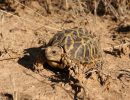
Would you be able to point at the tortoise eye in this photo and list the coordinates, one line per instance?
(54, 52)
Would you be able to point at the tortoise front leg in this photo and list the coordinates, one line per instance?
(39, 62)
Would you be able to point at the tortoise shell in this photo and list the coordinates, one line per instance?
(78, 43)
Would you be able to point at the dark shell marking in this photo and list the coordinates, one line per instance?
(78, 43)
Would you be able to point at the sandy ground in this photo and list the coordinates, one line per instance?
(23, 31)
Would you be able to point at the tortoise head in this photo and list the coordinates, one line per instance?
(53, 56)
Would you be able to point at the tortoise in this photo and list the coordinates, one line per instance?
(71, 48)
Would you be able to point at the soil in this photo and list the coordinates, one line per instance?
(27, 26)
